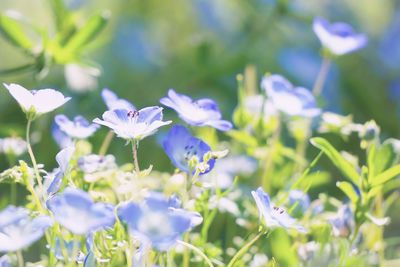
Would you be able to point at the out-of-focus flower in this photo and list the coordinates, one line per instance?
(300, 199)
(389, 49)
(96, 166)
(15, 146)
(332, 122)
(81, 78)
(258, 106)
(96, 163)
(69, 248)
(273, 216)
(308, 250)
(18, 230)
(343, 222)
(53, 180)
(259, 260)
(292, 101)
(5, 261)
(181, 147)
(114, 102)
(201, 112)
(227, 168)
(75, 210)
(339, 38)
(158, 221)
(36, 102)
(133, 124)
(61, 138)
(79, 128)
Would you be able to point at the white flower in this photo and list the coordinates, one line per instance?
(81, 78)
(36, 102)
(13, 145)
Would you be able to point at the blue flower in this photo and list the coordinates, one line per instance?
(300, 199)
(18, 230)
(157, 220)
(5, 261)
(339, 38)
(273, 216)
(343, 222)
(293, 101)
(202, 112)
(79, 128)
(53, 180)
(36, 102)
(69, 248)
(113, 102)
(61, 138)
(76, 211)
(133, 124)
(181, 146)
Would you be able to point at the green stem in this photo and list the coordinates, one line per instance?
(198, 251)
(32, 156)
(322, 74)
(186, 252)
(268, 164)
(135, 156)
(244, 249)
(106, 143)
(20, 258)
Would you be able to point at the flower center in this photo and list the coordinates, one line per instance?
(133, 113)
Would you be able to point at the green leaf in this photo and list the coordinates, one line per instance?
(86, 33)
(385, 157)
(386, 176)
(243, 138)
(349, 190)
(12, 31)
(341, 163)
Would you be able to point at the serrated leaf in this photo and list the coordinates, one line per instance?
(345, 167)
(13, 33)
(349, 190)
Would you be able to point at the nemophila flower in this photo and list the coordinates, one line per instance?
(227, 168)
(343, 222)
(133, 124)
(36, 102)
(5, 261)
(181, 147)
(114, 102)
(258, 106)
(53, 180)
(15, 146)
(300, 200)
(339, 38)
(61, 138)
(157, 220)
(292, 101)
(69, 247)
(75, 210)
(96, 167)
(273, 216)
(18, 230)
(201, 112)
(79, 128)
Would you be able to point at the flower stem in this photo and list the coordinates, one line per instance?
(135, 145)
(244, 249)
(20, 258)
(35, 167)
(322, 74)
(106, 143)
(198, 251)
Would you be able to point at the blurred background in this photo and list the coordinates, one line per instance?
(198, 47)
